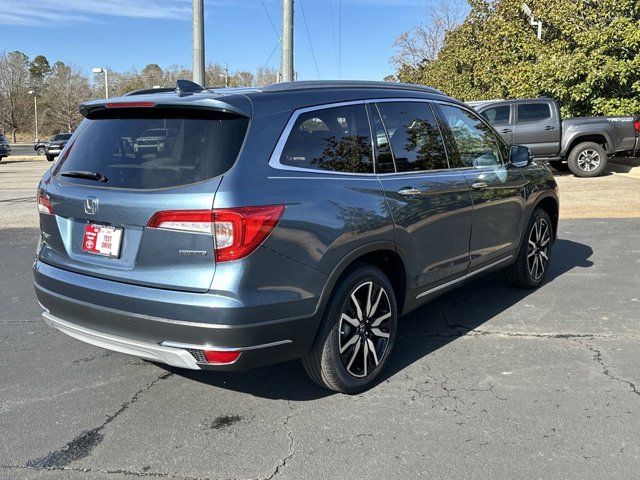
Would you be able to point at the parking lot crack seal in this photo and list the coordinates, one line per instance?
(82, 445)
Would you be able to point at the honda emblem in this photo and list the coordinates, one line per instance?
(91, 206)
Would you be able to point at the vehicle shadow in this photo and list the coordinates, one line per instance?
(420, 333)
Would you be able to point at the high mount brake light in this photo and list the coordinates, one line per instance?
(236, 231)
(44, 204)
(130, 104)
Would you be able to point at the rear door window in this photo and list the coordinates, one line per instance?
(414, 135)
(334, 139)
(497, 115)
(157, 152)
(533, 112)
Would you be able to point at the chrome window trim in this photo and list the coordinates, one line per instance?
(274, 160)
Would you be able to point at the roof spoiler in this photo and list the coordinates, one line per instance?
(151, 100)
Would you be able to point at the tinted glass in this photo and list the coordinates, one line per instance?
(533, 112)
(414, 136)
(334, 139)
(188, 150)
(384, 159)
(474, 143)
(497, 115)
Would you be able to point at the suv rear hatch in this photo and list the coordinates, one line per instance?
(110, 181)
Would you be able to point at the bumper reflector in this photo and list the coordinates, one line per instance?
(218, 357)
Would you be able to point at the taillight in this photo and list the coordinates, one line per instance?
(636, 124)
(44, 204)
(236, 231)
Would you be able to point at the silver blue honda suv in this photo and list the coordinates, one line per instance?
(294, 221)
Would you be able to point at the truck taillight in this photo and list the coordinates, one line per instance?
(236, 231)
(636, 124)
(44, 204)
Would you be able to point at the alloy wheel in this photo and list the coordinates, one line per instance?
(588, 160)
(365, 329)
(539, 248)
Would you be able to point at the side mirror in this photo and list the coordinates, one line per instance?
(520, 156)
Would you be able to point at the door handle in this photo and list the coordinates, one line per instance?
(506, 130)
(479, 185)
(549, 127)
(409, 191)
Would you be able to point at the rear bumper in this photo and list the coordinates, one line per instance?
(125, 318)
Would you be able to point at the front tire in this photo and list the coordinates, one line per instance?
(357, 333)
(532, 263)
(50, 158)
(587, 159)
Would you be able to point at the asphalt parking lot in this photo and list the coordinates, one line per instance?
(485, 382)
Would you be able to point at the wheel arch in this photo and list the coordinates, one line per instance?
(601, 138)
(550, 205)
(386, 256)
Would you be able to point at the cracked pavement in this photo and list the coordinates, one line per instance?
(485, 382)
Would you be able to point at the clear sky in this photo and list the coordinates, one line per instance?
(126, 34)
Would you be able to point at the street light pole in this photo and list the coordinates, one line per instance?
(106, 79)
(198, 42)
(35, 109)
(287, 41)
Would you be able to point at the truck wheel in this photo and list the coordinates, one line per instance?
(587, 159)
(559, 165)
(532, 263)
(41, 151)
(50, 158)
(357, 333)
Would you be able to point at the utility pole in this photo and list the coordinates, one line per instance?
(286, 66)
(35, 108)
(198, 42)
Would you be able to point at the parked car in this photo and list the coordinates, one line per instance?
(154, 141)
(581, 145)
(5, 148)
(55, 144)
(298, 220)
(39, 146)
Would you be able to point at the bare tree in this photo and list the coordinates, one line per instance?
(423, 42)
(266, 76)
(66, 89)
(15, 103)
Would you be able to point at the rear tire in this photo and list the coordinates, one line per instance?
(50, 158)
(357, 333)
(587, 160)
(559, 165)
(41, 151)
(532, 264)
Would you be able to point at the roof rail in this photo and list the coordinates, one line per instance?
(320, 84)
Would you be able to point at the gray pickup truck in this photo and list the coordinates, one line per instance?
(581, 145)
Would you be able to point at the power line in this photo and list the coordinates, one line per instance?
(273, 25)
(306, 27)
(340, 39)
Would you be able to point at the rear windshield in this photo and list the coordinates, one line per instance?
(148, 153)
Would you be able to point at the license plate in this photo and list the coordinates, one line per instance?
(102, 240)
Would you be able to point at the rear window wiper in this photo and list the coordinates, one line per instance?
(98, 177)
